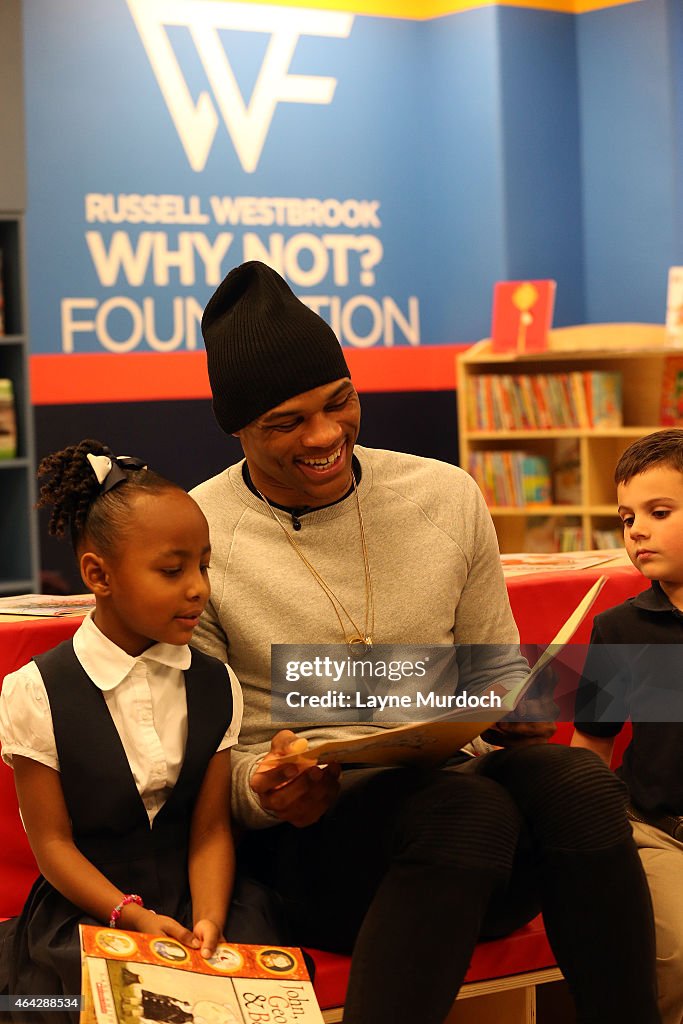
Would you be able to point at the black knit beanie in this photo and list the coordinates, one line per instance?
(264, 346)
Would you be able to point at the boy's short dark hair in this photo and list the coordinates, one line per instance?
(664, 446)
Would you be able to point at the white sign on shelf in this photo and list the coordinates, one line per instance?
(674, 306)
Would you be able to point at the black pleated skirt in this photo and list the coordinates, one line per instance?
(40, 950)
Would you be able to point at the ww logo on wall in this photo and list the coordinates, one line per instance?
(247, 123)
(156, 258)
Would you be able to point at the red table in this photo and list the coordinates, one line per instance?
(541, 602)
(20, 640)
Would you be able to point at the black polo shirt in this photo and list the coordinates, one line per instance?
(634, 671)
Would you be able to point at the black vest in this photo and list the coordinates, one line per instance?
(109, 821)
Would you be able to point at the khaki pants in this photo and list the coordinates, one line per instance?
(662, 858)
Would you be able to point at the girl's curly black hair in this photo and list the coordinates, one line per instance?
(78, 504)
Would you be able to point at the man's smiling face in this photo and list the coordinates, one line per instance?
(299, 453)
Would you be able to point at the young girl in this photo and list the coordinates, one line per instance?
(120, 739)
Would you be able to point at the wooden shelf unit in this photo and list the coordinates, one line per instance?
(18, 537)
(638, 352)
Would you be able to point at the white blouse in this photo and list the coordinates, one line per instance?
(146, 700)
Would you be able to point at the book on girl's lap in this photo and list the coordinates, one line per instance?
(435, 741)
(135, 978)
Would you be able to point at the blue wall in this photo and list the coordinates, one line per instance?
(629, 78)
(498, 143)
(462, 198)
(543, 199)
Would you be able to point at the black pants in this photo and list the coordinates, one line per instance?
(410, 869)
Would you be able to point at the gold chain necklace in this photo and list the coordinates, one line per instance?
(361, 642)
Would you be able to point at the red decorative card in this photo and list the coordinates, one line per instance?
(522, 316)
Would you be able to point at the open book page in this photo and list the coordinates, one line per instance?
(424, 743)
(433, 742)
(562, 637)
(134, 978)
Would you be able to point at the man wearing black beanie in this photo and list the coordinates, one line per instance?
(318, 540)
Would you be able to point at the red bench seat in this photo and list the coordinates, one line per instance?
(524, 951)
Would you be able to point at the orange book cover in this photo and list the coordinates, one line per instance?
(522, 316)
(540, 393)
(129, 977)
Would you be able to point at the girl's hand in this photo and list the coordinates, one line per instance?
(174, 930)
(137, 919)
(207, 935)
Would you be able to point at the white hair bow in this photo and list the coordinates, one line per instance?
(110, 472)
(101, 465)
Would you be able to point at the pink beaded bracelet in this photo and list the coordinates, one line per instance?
(116, 912)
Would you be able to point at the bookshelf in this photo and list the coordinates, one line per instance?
(18, 527)
(638, 352)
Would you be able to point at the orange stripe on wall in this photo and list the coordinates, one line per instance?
(428, 368)
(96, 378)
(106, 377)
(424, 10)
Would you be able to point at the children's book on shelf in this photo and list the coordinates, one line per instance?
(540, 534)
(522, 316)
(674, 306)
(581, 399)
(671, 411)
(572, 538)
(567, 471)
(8, 419)
(604, 396)
(133, 978)
(47, 605)
(512, 478)
(434, 741)
(535, 470)
(608, 539)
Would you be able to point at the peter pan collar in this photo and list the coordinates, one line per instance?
(107, 665)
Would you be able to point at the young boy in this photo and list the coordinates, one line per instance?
(633, 670)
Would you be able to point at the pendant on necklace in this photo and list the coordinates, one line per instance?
(360, 645)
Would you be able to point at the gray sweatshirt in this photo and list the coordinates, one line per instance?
(436, 579)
